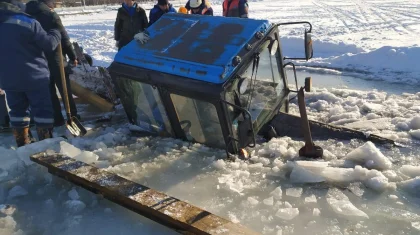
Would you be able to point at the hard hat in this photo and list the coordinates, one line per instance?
(195, 3)
(183, 10)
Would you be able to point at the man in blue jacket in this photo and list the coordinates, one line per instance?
(24, 74)
(158, 10)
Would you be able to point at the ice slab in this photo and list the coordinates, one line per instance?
(415, 123)
(415, 134)
(310, 199)
(87, 157)
(294, 192)
(316, 212)
(7, 209)
(73, 194)
(411, 186)
(277, 193)
(287, 213)
(26, 151)
(369, 156)
(75, 206)
(269, 201)
(69, 150)
(341, 205)
(17, 191)
(411, 171)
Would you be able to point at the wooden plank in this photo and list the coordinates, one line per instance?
(91, 97)
(166, 210)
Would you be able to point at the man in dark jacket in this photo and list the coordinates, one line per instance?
(24, 74)
(199, 7)
(235, 8)
(42, 11)
(158, 10)
(131, 20)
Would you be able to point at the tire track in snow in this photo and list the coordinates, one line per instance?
(396, 20)
(334, 14)
(388, 19)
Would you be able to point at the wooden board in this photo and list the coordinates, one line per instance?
(166, 210)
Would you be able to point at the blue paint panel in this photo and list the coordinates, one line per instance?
(193, 46)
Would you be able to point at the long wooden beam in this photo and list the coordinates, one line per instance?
(166, 210)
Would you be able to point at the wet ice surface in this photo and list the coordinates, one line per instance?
(359, 187)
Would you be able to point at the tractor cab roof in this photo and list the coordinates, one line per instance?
(198, 47)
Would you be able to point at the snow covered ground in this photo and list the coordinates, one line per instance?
(358, 188)
(377, 39)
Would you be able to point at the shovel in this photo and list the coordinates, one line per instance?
(72, 124)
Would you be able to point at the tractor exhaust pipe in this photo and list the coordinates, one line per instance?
(310, 150)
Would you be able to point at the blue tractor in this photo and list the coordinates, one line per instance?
(213, 80)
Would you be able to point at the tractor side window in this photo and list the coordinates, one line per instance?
(265, 85)
(199, 121)
(143, 106)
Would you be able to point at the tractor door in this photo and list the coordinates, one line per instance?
(260, 89)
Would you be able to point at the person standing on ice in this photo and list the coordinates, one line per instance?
(162, 7)
(43, 12)
(199, 7)
(235, 8)
(131, 20)
(24, 74)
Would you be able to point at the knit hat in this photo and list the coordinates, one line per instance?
(163, 2)
(195, 3)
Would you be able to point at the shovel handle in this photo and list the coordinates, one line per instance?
(63, 81)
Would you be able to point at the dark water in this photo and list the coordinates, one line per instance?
(322, 79)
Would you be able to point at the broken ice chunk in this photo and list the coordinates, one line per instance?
(302, 175)
(393, 197)
(17, 191)
(287, 213)
(252, 201)
(87, 157)
(287, 205)
(370, 156)
(411, 171)
(377, 183)
(294, 192)
(341, 205)
(316, 212)
(219, 164)
(310, 199)
(73, 194)
(411, 186)
(269, 201)
(277, 193)
(415, 134)
(7, 209)
(416, 225)
(75, 206)
(69, 150)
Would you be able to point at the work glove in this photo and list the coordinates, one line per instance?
(142, 37)
(117, 43)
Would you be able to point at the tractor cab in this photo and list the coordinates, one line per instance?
(212, 80)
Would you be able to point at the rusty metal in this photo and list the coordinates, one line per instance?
(166, 210)
(310, 149)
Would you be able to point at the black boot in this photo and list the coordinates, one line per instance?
(44, 133)
(22, 136)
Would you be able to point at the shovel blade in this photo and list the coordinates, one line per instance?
(75, 127)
